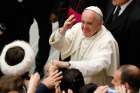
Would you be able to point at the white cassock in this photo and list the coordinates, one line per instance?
(96, 57)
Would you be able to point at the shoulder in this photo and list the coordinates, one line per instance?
(107, 35)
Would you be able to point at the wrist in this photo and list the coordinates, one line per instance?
(62, 31)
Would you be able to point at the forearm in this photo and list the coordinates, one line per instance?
(91, 67)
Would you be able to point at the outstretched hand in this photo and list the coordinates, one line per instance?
(33, 83)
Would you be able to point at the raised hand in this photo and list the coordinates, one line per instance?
(68, 24)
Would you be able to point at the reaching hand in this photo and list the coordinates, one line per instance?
(55, 65)
(101, 89)
(33, 83)
(121, 89)
(52, 79)
(61, 64)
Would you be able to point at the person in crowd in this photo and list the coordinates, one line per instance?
(123, 20)
(12, 84)
(17, 58)
(90, 46)
(126, 80)
(72, 79)
(46, 84)
(88, 88)
(41, 11)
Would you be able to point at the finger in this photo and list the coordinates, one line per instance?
(71, 17)
(58, 79)
(70, 91)
(123, 89)
(57, 74)
(54, 73)
(57, 88)
(63, 91)
(63, 65)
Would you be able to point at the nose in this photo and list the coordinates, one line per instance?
(84, 26)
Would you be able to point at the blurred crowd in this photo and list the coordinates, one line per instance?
(84, 46)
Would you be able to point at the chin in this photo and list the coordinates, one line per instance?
(87, 35)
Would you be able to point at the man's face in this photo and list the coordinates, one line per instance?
(116, 81)
(89, 23)
(119, 2)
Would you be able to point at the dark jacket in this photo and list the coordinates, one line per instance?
(125, 29)
(15, 22)
(42, 89)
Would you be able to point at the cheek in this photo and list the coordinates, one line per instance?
(86, 28)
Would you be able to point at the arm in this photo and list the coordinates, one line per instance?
(106, 58)
(33, 83)
(58, 39)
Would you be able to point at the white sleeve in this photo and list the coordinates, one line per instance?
(63, 42)
(101, 60)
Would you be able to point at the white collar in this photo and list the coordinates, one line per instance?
(123, 7)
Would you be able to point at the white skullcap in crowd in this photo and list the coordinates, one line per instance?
(21, 67)
(95, 9)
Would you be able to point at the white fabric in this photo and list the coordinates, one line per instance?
(123, 7)
(95, 9)
(96, 57)
(24, 66)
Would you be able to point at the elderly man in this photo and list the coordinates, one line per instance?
(90, 46)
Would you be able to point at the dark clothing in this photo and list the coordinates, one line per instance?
(60, 9)
(24, 20)
(80, 5)
(41, 10)
(85, 3)
(125, 29)
(42, 89)
(14, 22)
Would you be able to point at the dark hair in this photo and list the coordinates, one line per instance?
(88, 88)
(72, 79)
(14, 55)
(11, 83)
(131, 75)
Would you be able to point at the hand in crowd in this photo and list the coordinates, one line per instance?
(60, 64)
(52, 79)
(69, 91)
(57, 88)
(33, 83)
(101, 89)
(68, 24)
(122, 89)
(118, 89)
(55, 65)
